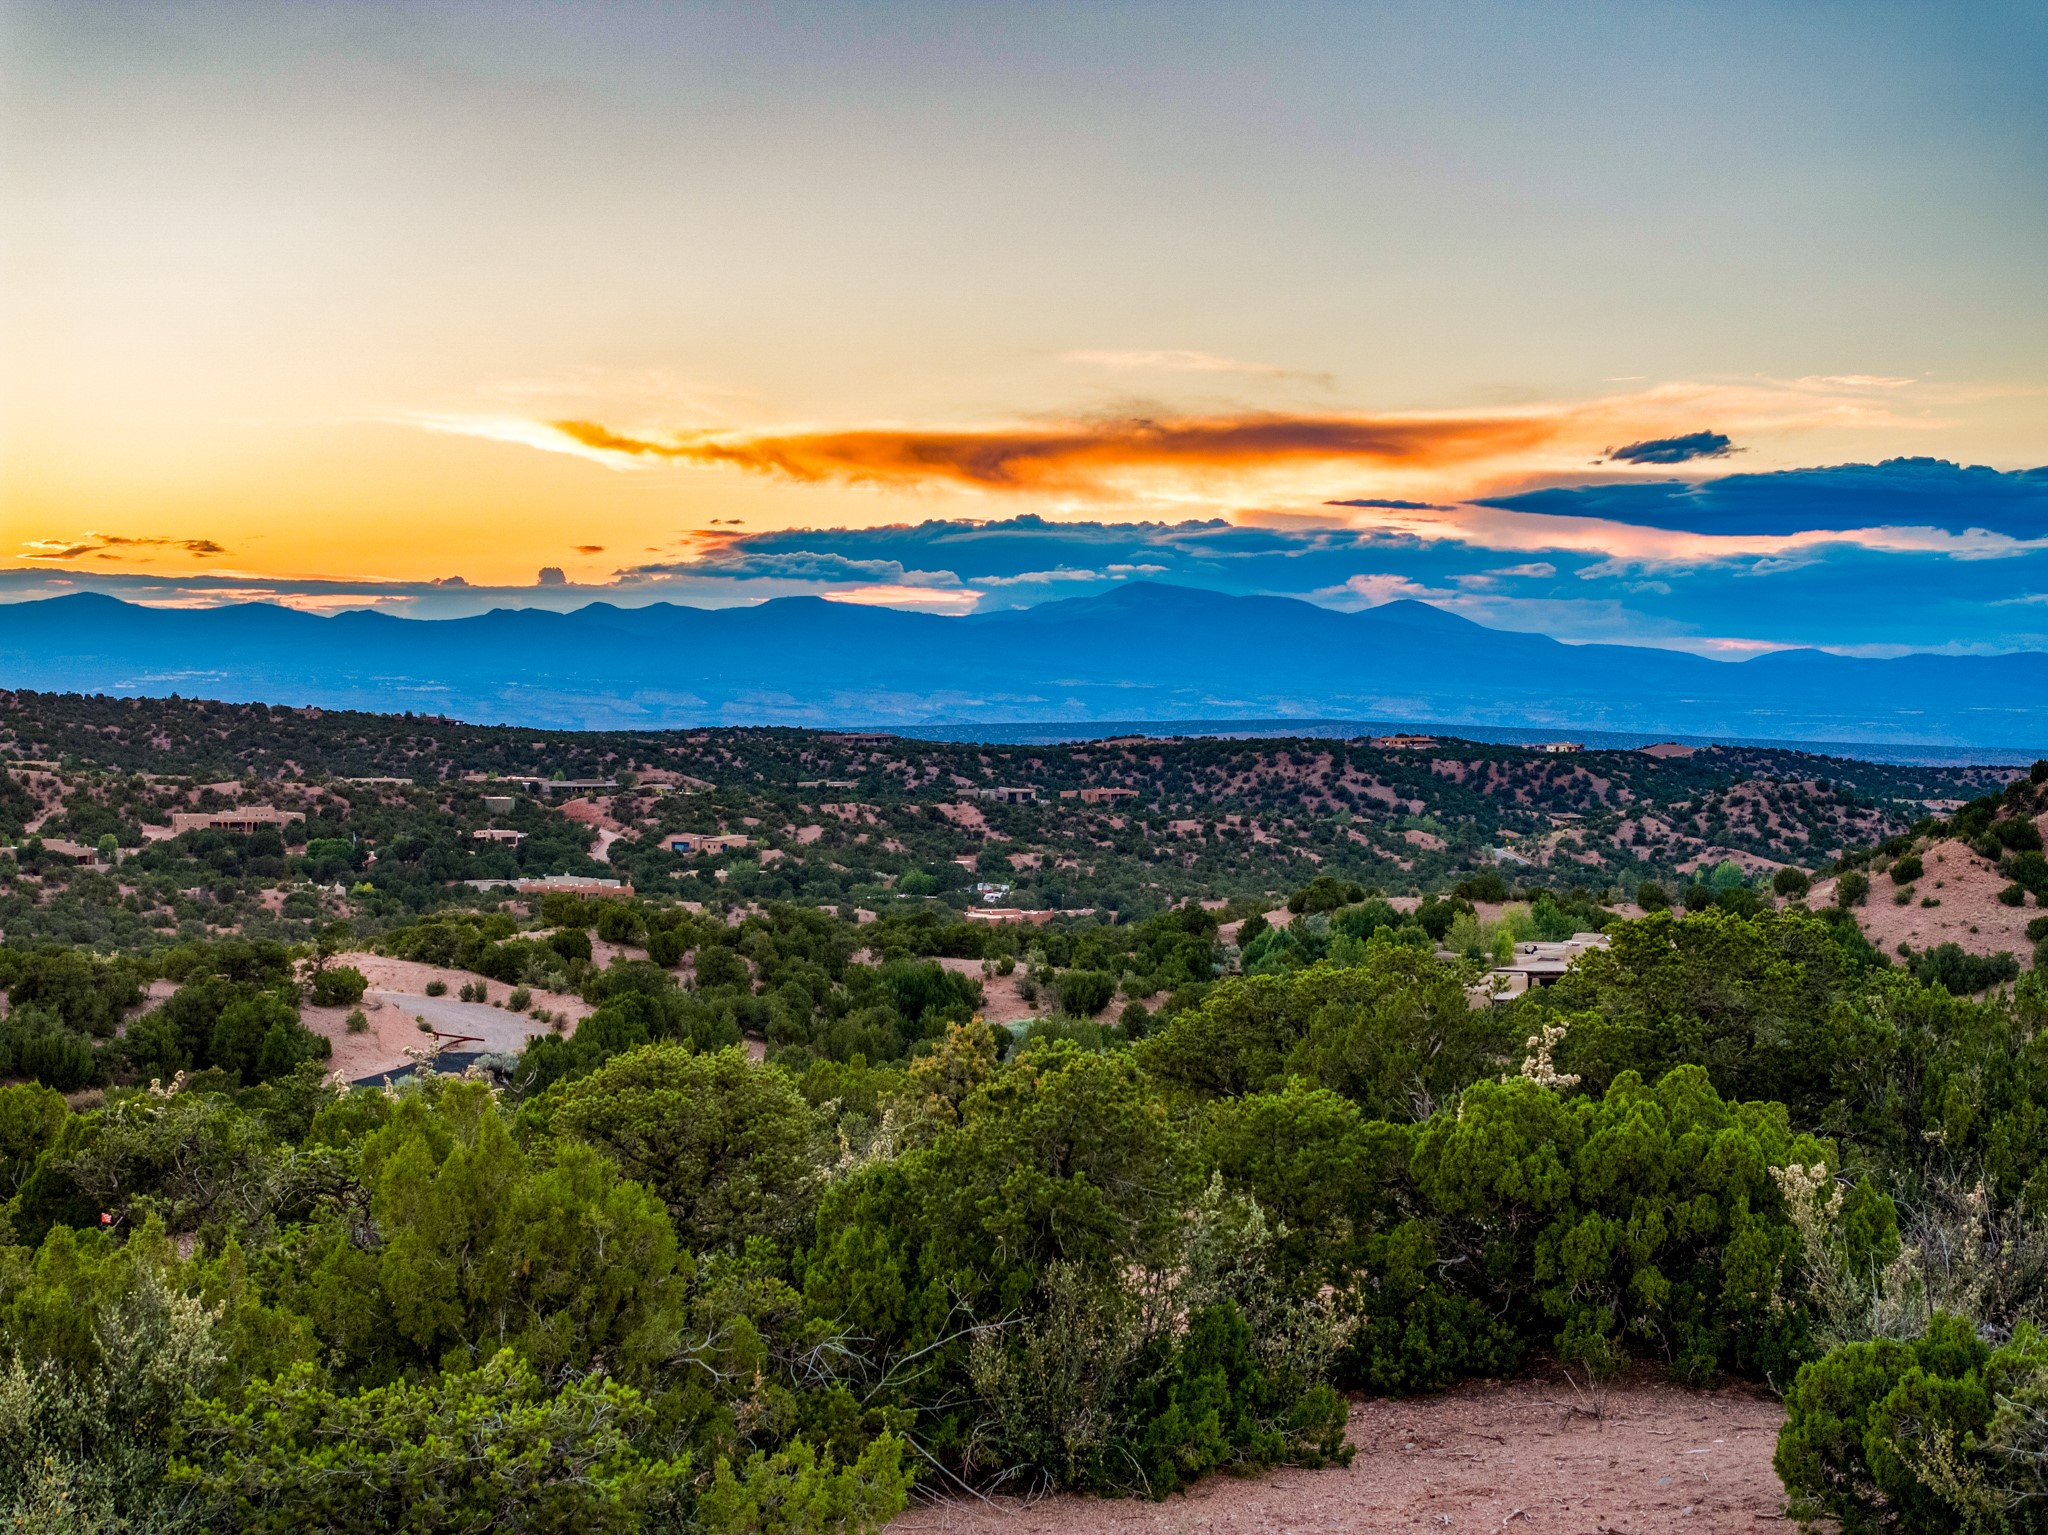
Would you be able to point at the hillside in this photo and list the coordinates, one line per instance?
(1126, 826)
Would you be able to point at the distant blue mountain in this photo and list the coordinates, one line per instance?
(1140, 652)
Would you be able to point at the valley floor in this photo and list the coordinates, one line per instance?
(1486, 1456)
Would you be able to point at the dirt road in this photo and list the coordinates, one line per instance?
(1486, 1456)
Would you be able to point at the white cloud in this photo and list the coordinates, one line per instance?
(1371, 589)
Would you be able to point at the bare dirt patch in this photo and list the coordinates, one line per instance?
(1001, 1001)
(1485, 1456)
(397, 998)
(1969, 914)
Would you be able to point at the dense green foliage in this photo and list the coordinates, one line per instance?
(782, 1226)
(392, 807)
(1941, 1432)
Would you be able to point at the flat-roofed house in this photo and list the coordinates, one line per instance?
(1006, 914)
(242, 821)
(551, 884)
(1543, 964)
(688, 842)
(71, 852)
(1007, 794)
(503, 834)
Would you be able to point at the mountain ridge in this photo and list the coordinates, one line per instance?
(1146, 650)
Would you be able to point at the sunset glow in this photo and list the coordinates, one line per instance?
(330, 317)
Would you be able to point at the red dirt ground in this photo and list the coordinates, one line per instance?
(1486, 1456)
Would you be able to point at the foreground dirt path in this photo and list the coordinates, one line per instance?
(1485, 1456)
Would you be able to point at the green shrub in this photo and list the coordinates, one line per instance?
(1435, 916)
(358, 1021)
(1935, 1436)
(1102, 1387)
(437, 988)
(2013, 895)
(1086, 1033)
(1852, 889)
(2029, 870)
(338, 986)
(570, 943)
(492, 1447)
(1489, 887)
(718, 965)
(1214, 1405)
(1908, 869)
(1084, 993)
(1791, 883)
(35, 1045)
(30, 1118)
(1324, 893)
(1961, 973)
(73, 986)
(1651, 896)
(619, 924)
(1394, 1032)
(2018, 834)
(729, 1146)
(797, 1492)
(1649, 1216)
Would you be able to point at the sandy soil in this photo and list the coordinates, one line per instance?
(1709, 858)
(1001, 1001)
(1486, 1456)
(398, 997)
(602, 953)
(1969, 913)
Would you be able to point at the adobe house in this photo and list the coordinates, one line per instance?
(1544, 964)
(243, 820)
(704, 842)
(71, 852)
(1008, 794)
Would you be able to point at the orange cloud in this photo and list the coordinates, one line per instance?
(1082, 456)
(58, 550)
(1232, 460)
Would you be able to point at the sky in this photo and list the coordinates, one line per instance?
(1568, 317)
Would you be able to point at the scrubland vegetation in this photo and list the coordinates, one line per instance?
(784, 1230)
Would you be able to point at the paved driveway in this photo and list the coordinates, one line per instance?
(499, 1028)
